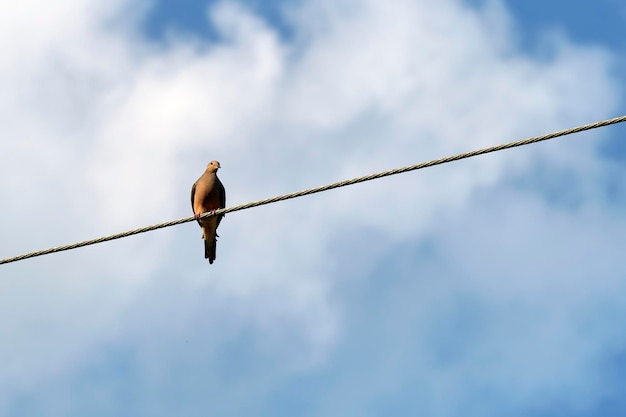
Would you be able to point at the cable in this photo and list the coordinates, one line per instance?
(322, 188)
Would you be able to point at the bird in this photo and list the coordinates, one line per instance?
(207, 195)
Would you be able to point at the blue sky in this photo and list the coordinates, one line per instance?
(487, 287)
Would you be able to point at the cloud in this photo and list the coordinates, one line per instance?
(108, 131)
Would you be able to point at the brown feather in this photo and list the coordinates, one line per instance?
(208, 194)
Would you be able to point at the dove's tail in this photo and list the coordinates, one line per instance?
(209, 249)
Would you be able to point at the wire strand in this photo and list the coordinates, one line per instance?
(309, 191)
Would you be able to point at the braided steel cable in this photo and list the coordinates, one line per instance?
(309, 191)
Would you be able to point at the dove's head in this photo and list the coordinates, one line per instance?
(213, 166)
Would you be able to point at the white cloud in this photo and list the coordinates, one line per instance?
(108, 132)
(512, 310)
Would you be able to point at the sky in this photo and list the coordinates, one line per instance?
(486, 287)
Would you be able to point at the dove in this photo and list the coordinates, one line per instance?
(208, 194)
